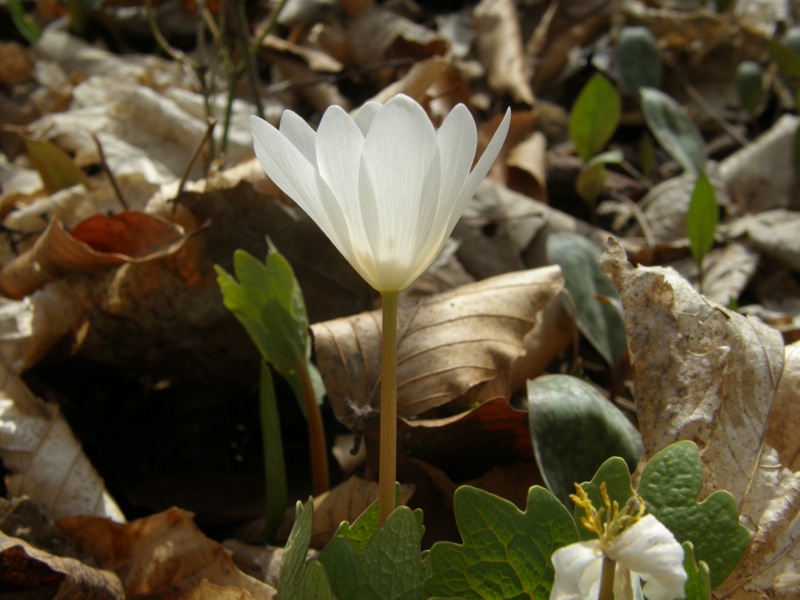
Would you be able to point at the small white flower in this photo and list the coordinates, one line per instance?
(644, 551)
(385, 187)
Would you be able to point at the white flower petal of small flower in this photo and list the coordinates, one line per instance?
(650, 549)
(366, 114)
(578, 568)
(295, 129)
(398, 155)
(291, 172)
(482, 167)
(339, 146)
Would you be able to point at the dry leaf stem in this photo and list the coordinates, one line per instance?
(388, 445)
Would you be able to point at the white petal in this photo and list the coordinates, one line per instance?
(299, 133)
(650, 549)
(578, 568)
(483, 166)
(339, 146)
(457, 138)
(366, 114)
(399, 151)
(291, 172)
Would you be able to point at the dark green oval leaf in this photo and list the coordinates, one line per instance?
(639, 59)
(674, 130)
(574, 429)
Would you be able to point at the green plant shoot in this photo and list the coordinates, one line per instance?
(701, 221)
(268, 302)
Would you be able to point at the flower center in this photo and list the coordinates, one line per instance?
(610, 520)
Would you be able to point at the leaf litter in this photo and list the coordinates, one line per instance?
(141, 324)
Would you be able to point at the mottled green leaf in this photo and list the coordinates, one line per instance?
(702, 218)
(749, 85)
(673, 129)
(615, 475)
(506, 553)
(594, 117)
(574, 429)
(598, 320)
(390, 566)
(670, 485)
(639, 59)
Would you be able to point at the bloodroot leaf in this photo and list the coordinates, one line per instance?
(670, 485)
(506, 553)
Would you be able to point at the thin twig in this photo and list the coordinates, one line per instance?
(107, 169)
(162, 41)
(640, 217)
(712, 114)
(185, 177)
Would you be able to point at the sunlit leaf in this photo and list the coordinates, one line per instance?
(698, 582)
(506, 553)
(702, 218)
(574, 429)
(673, 129)
(57, 170)
(670, 485)
(594, 117)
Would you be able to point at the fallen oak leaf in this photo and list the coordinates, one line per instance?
(447, 344)
(95, 244)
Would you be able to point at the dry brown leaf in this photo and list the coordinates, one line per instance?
(707, 374)
(447, 344)
(775, 233)
(314, 59)
(33, 573)
(345, 502)
(784, 425)
(95, 244)
(45, 460)
(500, 49)
(527, 167)
(163, 555)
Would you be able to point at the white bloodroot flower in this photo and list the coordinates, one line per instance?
(386, 187)
(643, 549)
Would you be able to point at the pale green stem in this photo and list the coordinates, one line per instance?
(607, 579)
(388, 447)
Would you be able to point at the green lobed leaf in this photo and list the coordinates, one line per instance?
(390, 566)
(673, 129)
(698, 582)
(366, 525)
(702, 218)
(639, 59)
(594, 116)
(506, 553)
(670, 485)
(56, 168)
(599, 321)
(574, 429)
(300, 579)
(615, 474)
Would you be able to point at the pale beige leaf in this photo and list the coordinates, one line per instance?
(775, 233)
(45, 460)
(500, 49)
(784, 425)
(447, 344)
(704, 373)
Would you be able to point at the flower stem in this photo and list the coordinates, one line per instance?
(320, 475)
(388, 446)
(607, 579)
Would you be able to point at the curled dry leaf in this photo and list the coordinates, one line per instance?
(45, 460)
(346, 502)
(447, 344)
(710, 375)
(33, 573)
(161, 554)
(500, 49)
(95, 244)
